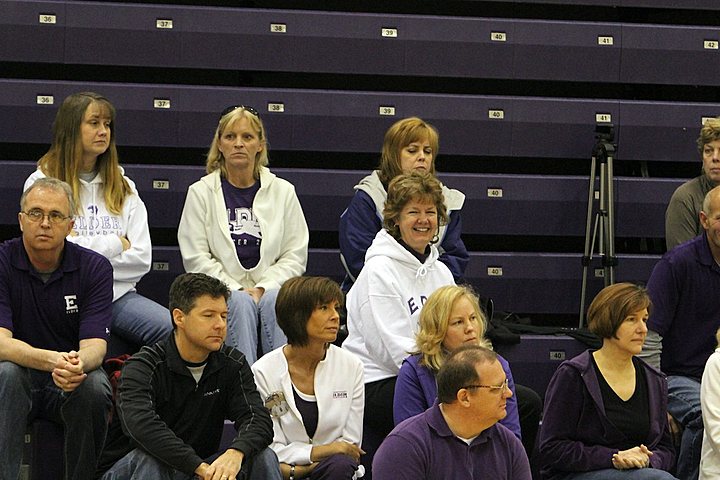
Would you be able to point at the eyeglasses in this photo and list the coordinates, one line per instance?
(37, 216)
(231, 108)
(502, 388)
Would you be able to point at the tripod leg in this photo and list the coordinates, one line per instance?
(611, 259)
(603, 213)
(588, 236)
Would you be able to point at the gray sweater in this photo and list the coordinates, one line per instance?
(682, 217)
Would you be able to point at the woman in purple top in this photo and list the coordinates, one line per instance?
(606, 410)
(450, 318)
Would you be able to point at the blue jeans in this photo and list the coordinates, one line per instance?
(140, 321)
(684, 406)
(614, 474)
(246, 318)
(26, 394)
(139, 465)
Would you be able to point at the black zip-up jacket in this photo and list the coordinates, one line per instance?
(164, 412)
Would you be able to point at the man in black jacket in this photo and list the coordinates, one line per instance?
(174, 397)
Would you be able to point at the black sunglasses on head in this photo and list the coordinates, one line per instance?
(247, 108)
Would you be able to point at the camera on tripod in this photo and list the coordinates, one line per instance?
(600, 220)
(605, 136)
(605, 132)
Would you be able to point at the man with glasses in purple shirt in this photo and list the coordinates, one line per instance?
(459, 436)
(55, 312)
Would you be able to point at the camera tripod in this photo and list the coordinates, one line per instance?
(602, 229)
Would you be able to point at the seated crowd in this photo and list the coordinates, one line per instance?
(414, 391)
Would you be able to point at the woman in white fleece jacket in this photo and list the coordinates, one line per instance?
(383, 307)
(111, 218)
(313, 389)
(244, 226)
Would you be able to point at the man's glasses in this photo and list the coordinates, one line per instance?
(247, 108)
(37, 216)
(493, 388)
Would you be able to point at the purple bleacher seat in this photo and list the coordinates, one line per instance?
(28, 108)
(12, 179)
(534, 360)
(131, 34)
(342, 121)
(32, 31)
(521, 204)
(685, 4)
(558, 127)
(357, 121)
(516, 281)
(640, 205)
(141, 119)
(163, 189)
(495, 204)
(352, 43)
(499, 204)
(345, 42)
(546, 283)
(140, 122)
(458, 47)
(166, 265)
(668, 54)
(325, 262)
(529, 283)
(323, 194)
(468, 124)
(665, 131)
(567, 51)
(210, 30)
(635, 268)
(199, 108)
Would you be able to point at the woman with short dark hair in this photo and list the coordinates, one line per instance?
(313, 389)
(605, 412)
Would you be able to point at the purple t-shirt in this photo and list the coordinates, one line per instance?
(243, 224)
(684, 288)
(74, 304)
(429, 450)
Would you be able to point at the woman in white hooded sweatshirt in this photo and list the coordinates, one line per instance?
(111, 218)
(383, 306)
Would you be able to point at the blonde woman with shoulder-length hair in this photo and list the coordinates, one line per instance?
(450, 318)
(244, 225)
(110, 217)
